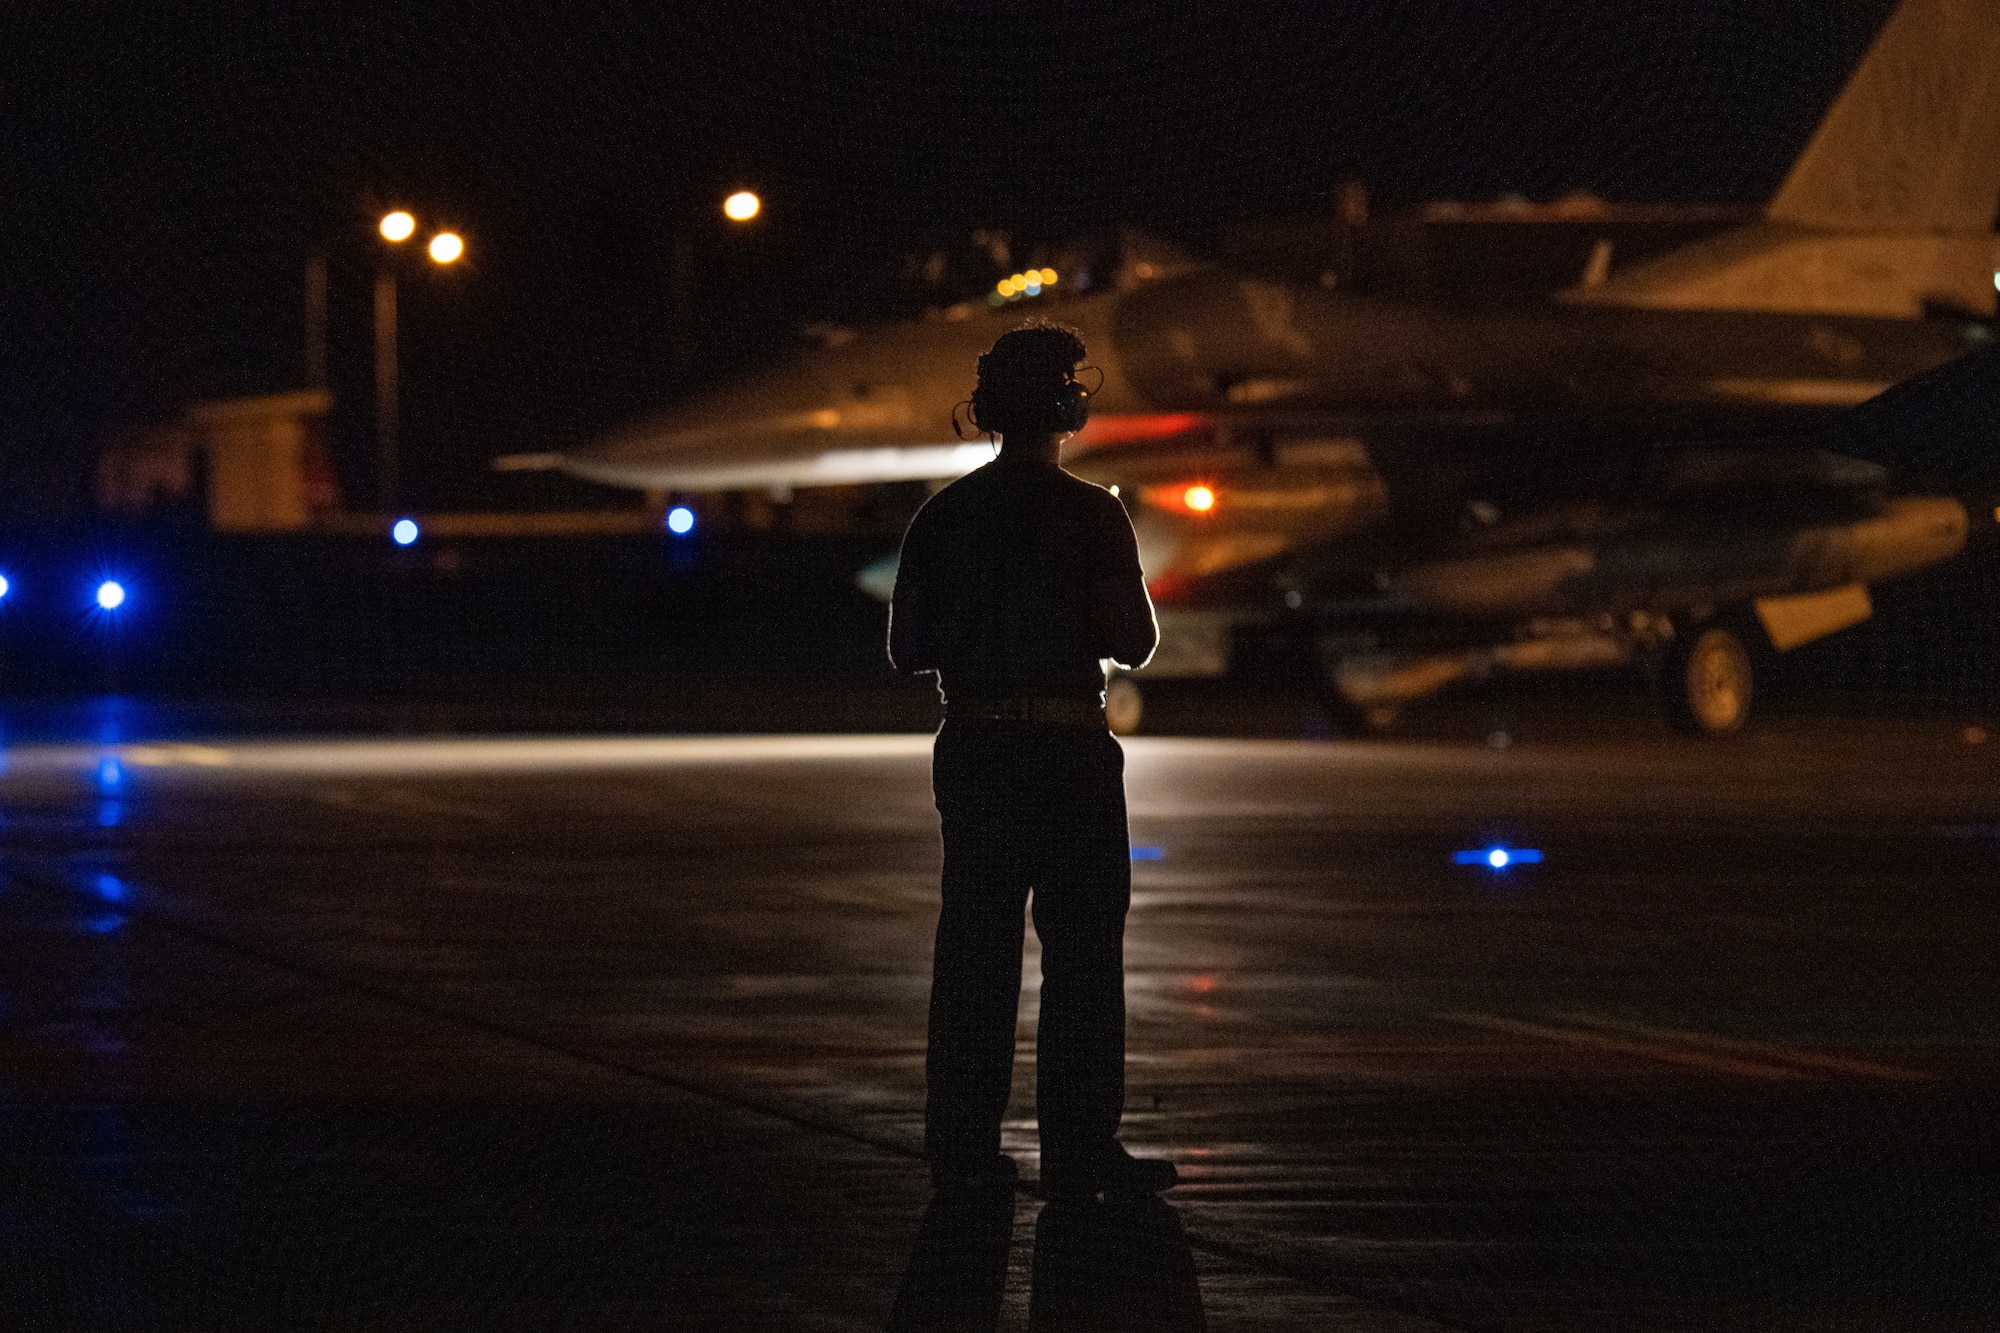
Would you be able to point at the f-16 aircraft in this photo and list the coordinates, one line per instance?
(1655, 467)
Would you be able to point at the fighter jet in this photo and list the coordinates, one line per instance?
(1653, 468)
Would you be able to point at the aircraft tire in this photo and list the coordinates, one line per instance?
(1705, 679)
(1124, 706)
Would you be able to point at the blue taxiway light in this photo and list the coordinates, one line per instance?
(5, 586)
(111, 594)
(680, 520)
(1497, 858)
(1146, 852)
(405, 532)
(111, 889)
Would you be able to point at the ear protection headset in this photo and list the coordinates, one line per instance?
(1071, 407)
(1064, 412)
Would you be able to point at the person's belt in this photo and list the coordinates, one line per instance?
(1026, 708)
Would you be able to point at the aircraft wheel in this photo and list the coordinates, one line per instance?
(1124, 705)
(1705, 679)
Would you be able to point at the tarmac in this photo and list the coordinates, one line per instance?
(626, 1032)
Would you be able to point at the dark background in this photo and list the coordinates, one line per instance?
(164, 171)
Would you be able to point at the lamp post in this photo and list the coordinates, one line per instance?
(739, 207)
(387, 480)
(444, 248)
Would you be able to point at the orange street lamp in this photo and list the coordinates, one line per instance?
(398, 226)
(445, 247)
(741, 206)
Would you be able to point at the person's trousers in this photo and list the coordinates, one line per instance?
(1028, 810)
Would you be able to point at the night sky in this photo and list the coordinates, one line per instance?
(167, 169)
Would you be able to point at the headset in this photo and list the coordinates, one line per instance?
(1071, 408)
(1065, 412)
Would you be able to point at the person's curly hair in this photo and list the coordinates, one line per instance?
(1020, 377)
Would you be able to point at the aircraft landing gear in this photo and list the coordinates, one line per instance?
(1704, 679)
(1124, 705)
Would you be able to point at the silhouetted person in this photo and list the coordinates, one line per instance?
(1015, 582)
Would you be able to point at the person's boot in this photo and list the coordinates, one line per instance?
(1113, 1172)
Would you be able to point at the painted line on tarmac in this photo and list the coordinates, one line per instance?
(1789, 1055)
(1621, 1045)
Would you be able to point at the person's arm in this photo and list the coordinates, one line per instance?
(1121, 612)
(912, 613)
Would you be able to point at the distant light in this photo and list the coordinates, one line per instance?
(680, 520)
(1147, 852)
(1006, 287)
(1114, 490)
(1048, 277)
(405, 532)
(1198, 498)
(398, 226)
(111, 889)
(5, 586)
(110, 774)
(1996, 279)
(1034, 288)
(741, 206)
(1498, 858)
(446, 246)
(111, 594)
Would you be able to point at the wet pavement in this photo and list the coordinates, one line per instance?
(627, 1033)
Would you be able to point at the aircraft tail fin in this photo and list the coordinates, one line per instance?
(1912, 144)
(1890, 208)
